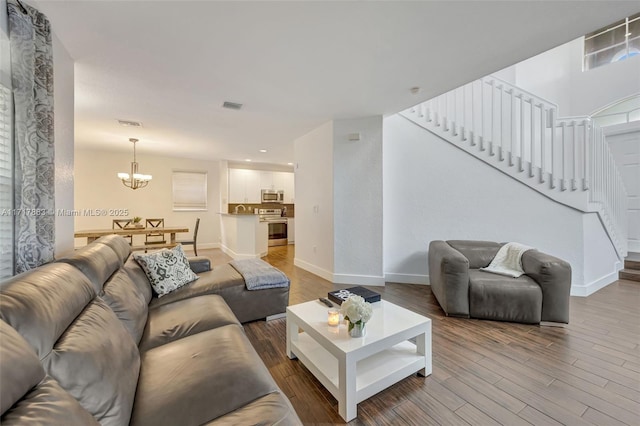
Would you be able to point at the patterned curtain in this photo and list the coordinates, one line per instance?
(32, 79)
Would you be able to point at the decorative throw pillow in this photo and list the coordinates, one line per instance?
(167, 270)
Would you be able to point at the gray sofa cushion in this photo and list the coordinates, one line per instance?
(97, 362)
(20, 369)
(183, 318)
(127, 302)
(96, 261)
(195, 379)
(502, 298)
(118, 244)
(225, 281)
(48, 404)
(272, 409)
(479, 253)
(139, 278)
(41, 303)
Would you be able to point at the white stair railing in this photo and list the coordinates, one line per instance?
(518, 132)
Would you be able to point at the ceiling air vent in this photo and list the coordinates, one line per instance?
(130, 123)
(231, 105)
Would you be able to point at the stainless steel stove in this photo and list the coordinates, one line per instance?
(277, 226)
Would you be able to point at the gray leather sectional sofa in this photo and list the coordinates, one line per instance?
(84, 341)
(541, 295)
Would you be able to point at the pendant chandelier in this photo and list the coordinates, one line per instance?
(134, 180)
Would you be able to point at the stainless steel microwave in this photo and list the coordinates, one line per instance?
(272, 196)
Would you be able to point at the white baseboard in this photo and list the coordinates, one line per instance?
(316, 270)
(406, 278)
(634, 246)
(235, 255)
(339, 278)
(592, 287)
(202, 246)
(358, 279)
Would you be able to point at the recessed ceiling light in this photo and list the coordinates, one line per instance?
(263, 150)
(248, 159)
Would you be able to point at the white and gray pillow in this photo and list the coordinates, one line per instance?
(167, 270)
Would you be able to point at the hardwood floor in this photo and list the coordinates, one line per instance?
(484, 372)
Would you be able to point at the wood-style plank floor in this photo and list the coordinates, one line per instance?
(484, 372)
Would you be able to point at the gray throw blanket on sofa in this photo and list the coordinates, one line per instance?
(259, 275)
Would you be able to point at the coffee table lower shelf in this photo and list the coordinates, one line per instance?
(374, 374)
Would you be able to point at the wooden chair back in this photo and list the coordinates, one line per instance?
(156, 237)
(122, 224)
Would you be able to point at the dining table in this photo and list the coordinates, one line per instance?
(94, 234)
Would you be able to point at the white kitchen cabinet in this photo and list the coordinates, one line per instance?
(252, 187)
(291, 230)
(277, 180)
(266, 180)
(288, 187)
(236, 186)
(244, 186)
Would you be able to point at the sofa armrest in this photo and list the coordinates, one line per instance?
(554, 277)
(199, 264)
(449, 278)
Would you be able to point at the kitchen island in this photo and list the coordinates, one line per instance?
(243, 236)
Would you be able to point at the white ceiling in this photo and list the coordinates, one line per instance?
(294, 65)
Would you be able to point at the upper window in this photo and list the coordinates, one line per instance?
(613, 43)
(189, 191)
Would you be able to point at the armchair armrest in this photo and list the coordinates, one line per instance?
(199, 264)
(449, 278)
(554, 277)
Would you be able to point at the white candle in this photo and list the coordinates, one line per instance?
(334, 317)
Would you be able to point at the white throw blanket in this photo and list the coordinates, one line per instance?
(508, 260)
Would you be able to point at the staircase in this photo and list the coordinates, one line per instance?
(520, 134)
(631, 269)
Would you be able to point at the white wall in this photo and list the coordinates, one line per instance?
(601, 264)
(357, 197)
(63, 98)
(314, 201)
(557, 76)
(434, 191)
(97, 187)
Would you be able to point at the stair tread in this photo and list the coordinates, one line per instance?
(629, 274)
(632, 261)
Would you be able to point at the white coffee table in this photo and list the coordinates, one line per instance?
(356, 368)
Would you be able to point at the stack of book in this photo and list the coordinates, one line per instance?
(340, 296)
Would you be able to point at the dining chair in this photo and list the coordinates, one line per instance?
(155, 237)
(195, 238)
(122, 224)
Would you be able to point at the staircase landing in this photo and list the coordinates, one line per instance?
(631, 269)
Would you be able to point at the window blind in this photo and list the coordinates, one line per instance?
(6, 184)
(189, 191)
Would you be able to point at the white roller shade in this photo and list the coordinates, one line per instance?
(189, 191)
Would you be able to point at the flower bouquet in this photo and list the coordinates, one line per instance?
(357, 311)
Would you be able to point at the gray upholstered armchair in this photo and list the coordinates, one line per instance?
(541, 295)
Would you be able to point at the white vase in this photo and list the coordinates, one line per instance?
(358, 330)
